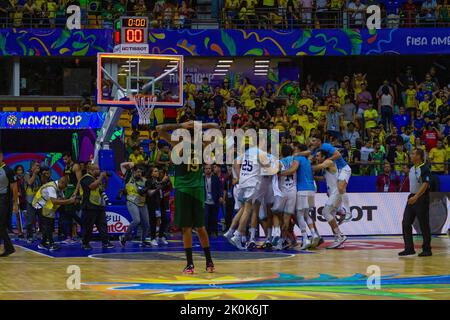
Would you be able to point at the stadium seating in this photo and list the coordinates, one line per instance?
(45, 109)
(9, 109)
(63, 109)
(27, 109)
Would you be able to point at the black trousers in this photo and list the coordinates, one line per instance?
(153, 220)
(212, 217)
(229, 210)
(5, 213)
(420, 210)
(67, 215)
(90, 218)
(48, 226)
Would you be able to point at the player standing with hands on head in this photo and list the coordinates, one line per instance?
(190, 195)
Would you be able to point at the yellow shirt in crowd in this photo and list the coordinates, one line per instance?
(190, 88)
(136, 159)
(306, 102)
(438, 156)
(424, 106)
(246, 91)
(371, 114)
(411, 101)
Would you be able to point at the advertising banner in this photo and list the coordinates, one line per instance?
(220, 42)
(382, 214)
(52, 120)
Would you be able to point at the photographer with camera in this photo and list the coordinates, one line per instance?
(136, 204)
(32, 182)
(154, 197)
(47, 200)
(93, 206)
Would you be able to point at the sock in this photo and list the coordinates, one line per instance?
(269, 233)
(244, 239)
(231, 231)
(252, 234)
(276, 232)
(189, 259)
(304, 235)
(308, 219)
(314, 233)
(301, 221)
(337, 231)
(237, 234)
(207, 252)
(346, 202)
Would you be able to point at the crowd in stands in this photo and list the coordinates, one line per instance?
(333, 13)
(96, 14)
(235, 13)
(371, 128)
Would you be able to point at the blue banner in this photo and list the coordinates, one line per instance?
(228, 42)
(52, 120)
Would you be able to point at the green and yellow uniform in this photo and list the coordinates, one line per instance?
(189, 195)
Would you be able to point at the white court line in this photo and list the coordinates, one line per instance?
(37, 252)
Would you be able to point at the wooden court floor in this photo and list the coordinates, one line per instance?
(135, 273)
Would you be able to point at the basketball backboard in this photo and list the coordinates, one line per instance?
(122, 76)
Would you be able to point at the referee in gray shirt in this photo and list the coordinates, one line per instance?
(418, 205)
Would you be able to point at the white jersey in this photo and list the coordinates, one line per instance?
(250, 175)
(332, 181)
(287, 183)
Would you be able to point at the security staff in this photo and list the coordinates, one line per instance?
(418, 205)
(93, 206)
(8, 185)
(47, 200)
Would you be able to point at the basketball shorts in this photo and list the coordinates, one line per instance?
(286, 203)
(305, 200)
(262, 214)
(329, 201)
(251, 193)
(189, 208)
(345, 173)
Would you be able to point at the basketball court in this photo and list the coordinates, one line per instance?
(155, 273)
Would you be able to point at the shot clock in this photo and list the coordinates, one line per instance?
(131, 30)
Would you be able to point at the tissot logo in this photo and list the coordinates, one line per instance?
(358, 213)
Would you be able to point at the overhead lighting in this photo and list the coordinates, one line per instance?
(128, 66)
(262, 61)
(173, 61)
(223, 66)
(171, 66)
(225, 61)
(219, 74)
(261, 66)
(221, 70)
(121, 74)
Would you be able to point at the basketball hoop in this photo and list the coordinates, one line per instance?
(144, 105)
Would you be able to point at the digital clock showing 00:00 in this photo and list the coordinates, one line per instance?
(134, 22)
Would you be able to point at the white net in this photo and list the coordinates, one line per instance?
(144, 106)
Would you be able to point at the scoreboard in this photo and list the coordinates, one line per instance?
(131, 30)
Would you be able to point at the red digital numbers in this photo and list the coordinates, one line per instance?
(134, 35)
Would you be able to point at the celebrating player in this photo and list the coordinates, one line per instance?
(333, 202)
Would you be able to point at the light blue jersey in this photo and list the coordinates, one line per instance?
(305, 179)
(329, 149)
(287, 183)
